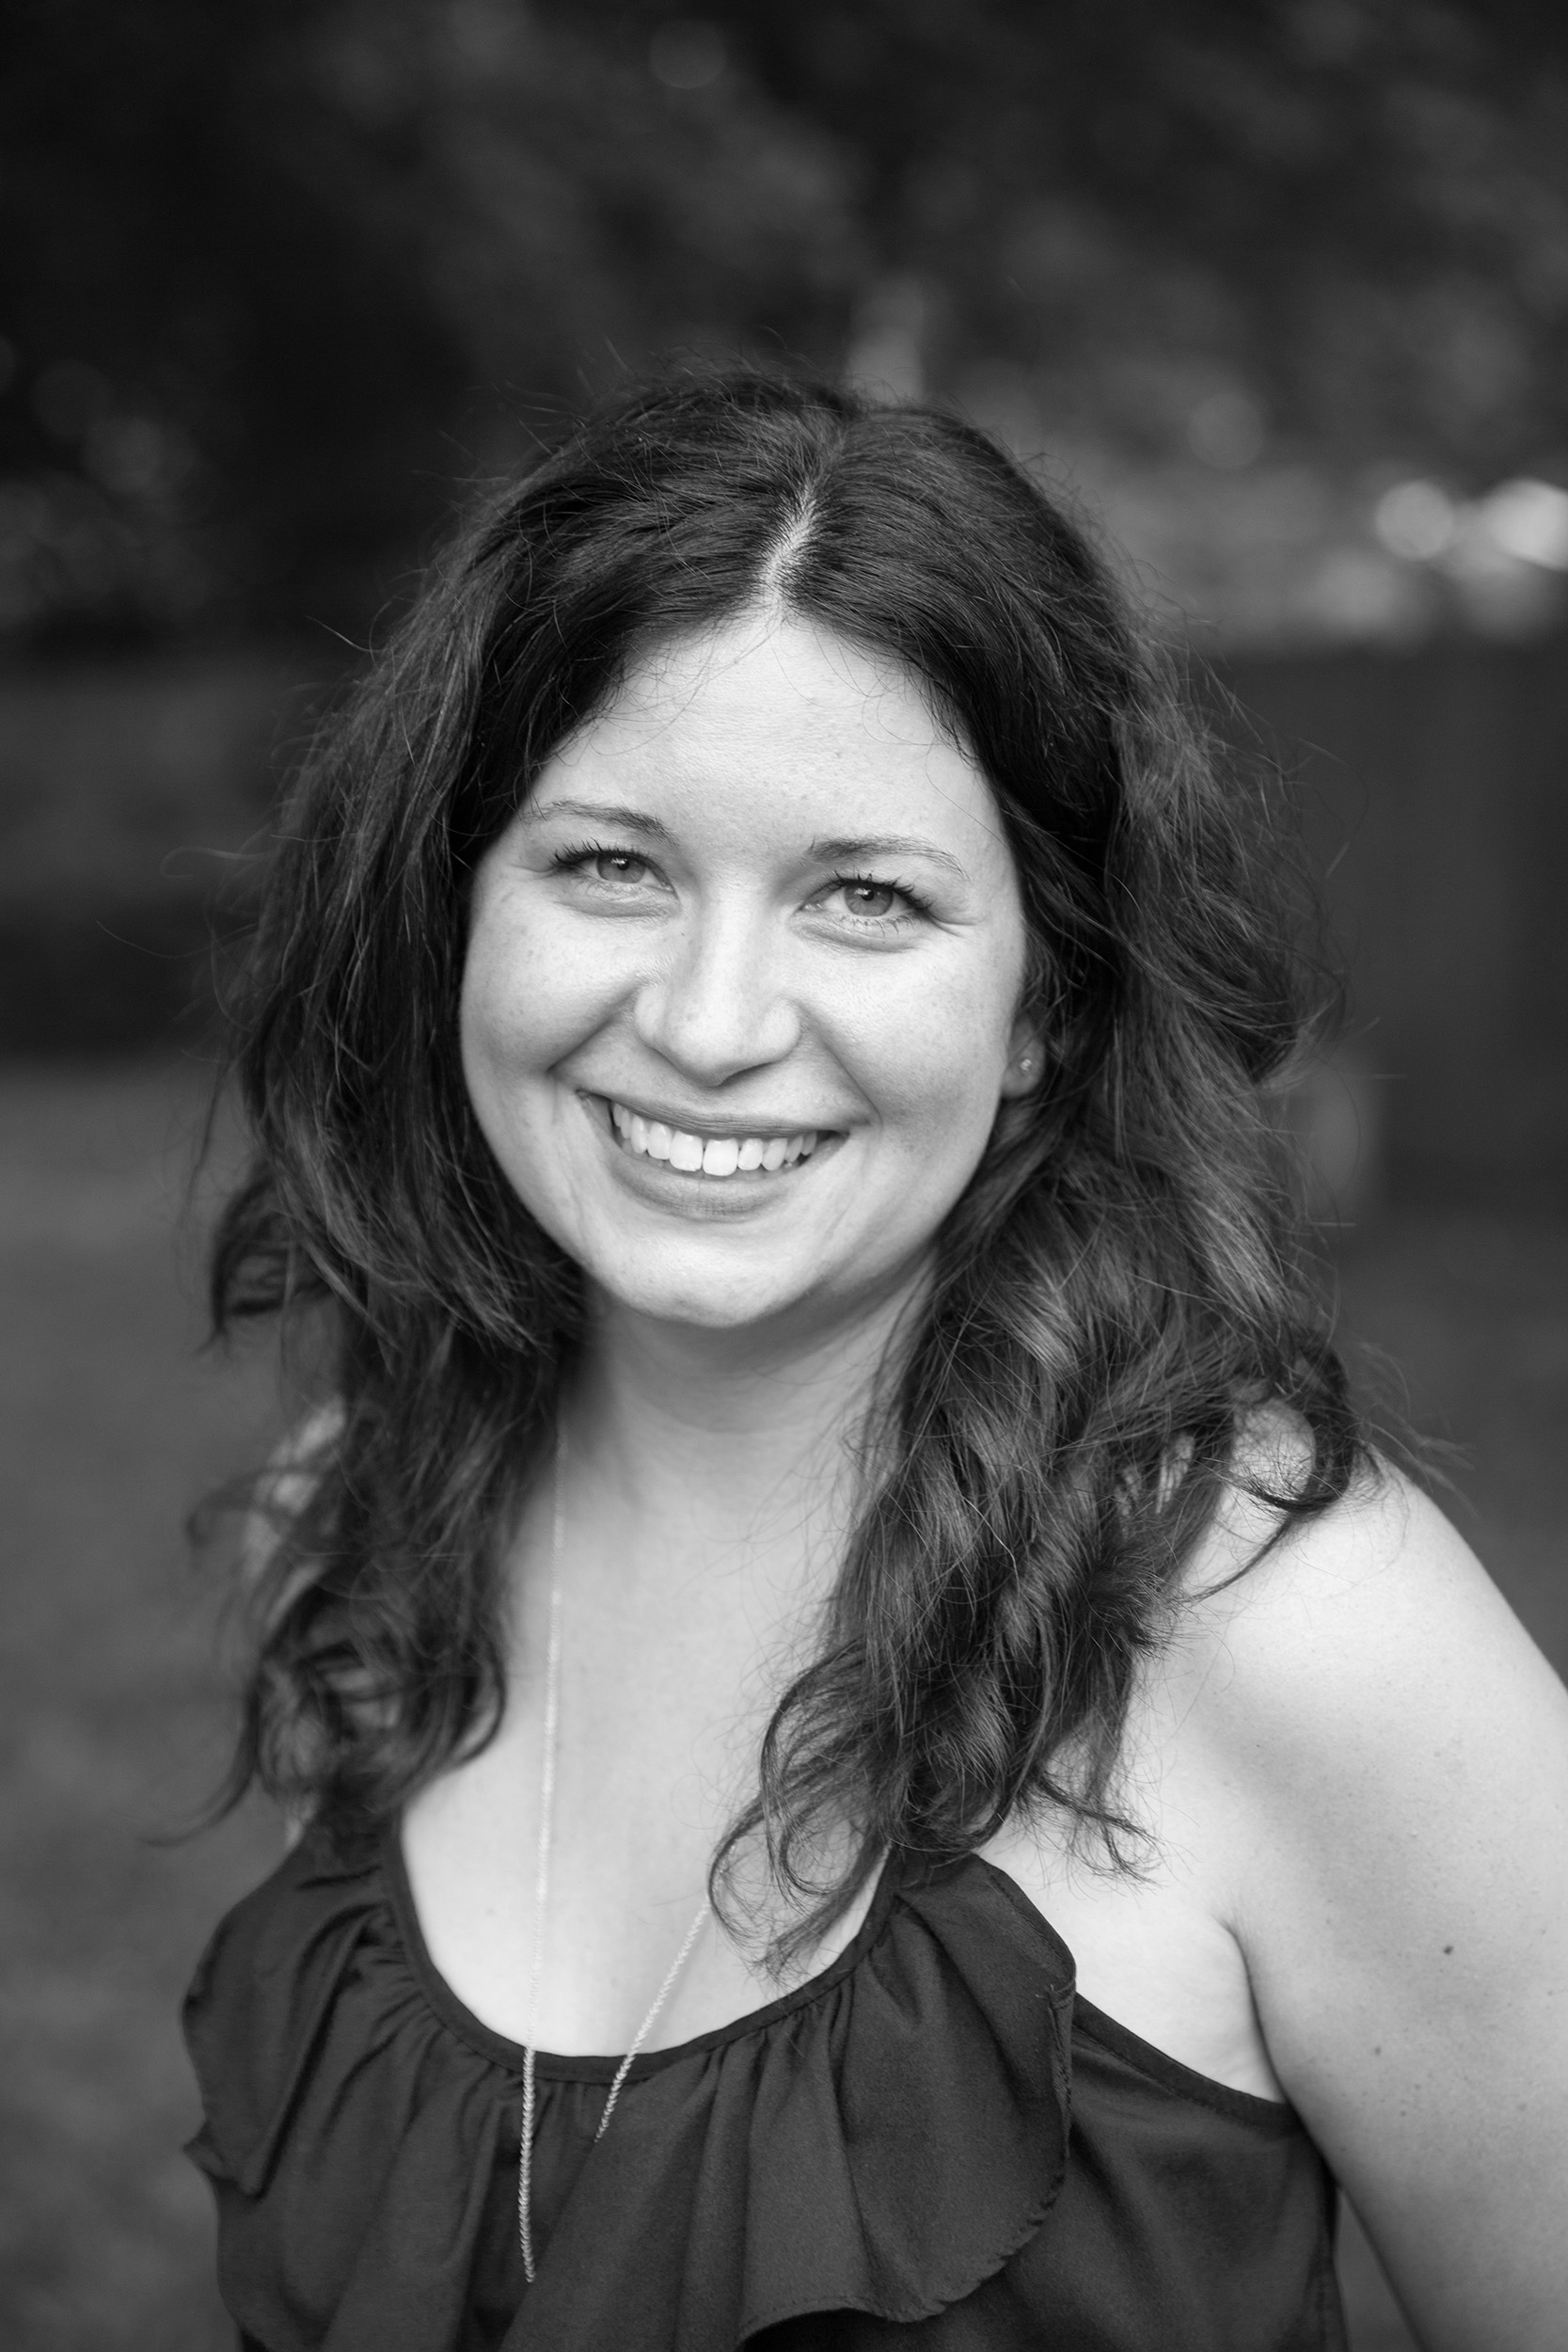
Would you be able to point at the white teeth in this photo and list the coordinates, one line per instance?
(712, 1156)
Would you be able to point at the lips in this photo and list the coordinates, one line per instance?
(719, 1157)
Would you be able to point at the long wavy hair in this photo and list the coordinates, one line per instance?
(1119, 1295)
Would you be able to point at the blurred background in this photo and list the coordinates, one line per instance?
(1275, 291)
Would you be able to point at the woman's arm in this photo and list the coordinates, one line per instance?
(1395, 1753)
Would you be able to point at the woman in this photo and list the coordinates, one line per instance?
(834, 1558)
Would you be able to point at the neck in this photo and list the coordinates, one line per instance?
(730, 1436)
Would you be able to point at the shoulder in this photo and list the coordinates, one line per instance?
(1370, 1630)
(1384, 1728)
(1367, 1642)
(1383, 1754)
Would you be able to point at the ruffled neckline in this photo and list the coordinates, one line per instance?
(882, 2139)
(556, 2066)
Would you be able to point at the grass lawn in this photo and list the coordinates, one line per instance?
(113, 1716)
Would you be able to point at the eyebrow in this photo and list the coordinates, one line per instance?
(830, 849)
(597, 813)
(844, 850)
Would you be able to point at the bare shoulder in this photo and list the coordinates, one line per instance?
(1371, 1630)
(1386, 1752)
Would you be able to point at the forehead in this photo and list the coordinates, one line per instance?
(770, 719)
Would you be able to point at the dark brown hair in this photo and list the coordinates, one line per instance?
(1119, 1291)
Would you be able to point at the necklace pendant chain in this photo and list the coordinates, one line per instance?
(542, 1891)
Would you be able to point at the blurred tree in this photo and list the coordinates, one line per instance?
(216, 348)
(271, 275)
(258, 264)
(580, 199)
(1346, 216)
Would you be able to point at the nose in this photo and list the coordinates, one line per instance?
(718, 1005)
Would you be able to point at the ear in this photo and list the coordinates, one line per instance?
(1026, 1059)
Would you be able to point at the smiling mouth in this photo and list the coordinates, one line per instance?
(709, 1155)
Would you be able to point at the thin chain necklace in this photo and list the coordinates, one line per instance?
(542, 1889)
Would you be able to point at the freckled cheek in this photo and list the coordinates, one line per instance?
(525, 1006)
(932, 1065)
(529, 1001)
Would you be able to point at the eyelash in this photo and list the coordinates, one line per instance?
(578, 854)
(915, 901)
(571, 858)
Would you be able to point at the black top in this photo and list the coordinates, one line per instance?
(934, 2141)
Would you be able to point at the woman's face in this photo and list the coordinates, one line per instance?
(741, 999)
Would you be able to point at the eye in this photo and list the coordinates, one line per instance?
(869, 897)
(596, 862)
(883, 906)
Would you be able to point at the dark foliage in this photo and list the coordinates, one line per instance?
(272, 276)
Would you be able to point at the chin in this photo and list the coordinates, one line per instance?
(704, 1306)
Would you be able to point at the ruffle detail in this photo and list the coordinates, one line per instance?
(883, 2142)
